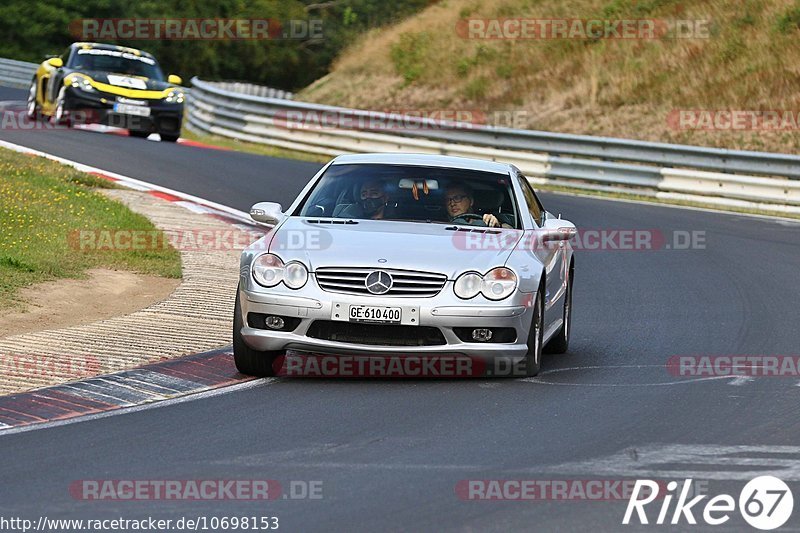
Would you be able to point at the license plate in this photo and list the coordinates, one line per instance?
(128, 109)
(369, 313)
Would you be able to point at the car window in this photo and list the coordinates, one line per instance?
(412, 194)
(118, 62)
(534, 205)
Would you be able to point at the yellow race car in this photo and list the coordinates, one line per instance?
(111, 85)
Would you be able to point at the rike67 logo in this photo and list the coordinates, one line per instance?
(765, 503)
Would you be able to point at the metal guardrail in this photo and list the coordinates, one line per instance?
(16, 73)
(251, 89)
(670, 171)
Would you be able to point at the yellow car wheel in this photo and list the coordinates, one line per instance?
(32, 107)
(60, 116)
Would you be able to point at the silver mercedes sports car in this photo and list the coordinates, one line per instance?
(399, 255)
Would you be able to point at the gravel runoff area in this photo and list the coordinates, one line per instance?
(196, 317)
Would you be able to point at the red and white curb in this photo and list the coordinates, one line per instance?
(157, 382)
(101, 128)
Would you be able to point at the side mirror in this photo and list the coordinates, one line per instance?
(555, 229)
(267, 212)
(174, 80)
(55, 62)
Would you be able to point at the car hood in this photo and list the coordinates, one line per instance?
(393, 245)
(126, 82)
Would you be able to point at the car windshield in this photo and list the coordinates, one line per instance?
(413, 194)
(118, 62)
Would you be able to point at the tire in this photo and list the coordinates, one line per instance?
(60, 116)
(249, 361)
(533, 359)
(169, 138)
(32, 106)
(560, 343)
(139, 134)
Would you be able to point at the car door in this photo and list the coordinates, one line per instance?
(551, 254)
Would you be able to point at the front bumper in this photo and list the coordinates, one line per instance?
(443, 312)
(98, 108)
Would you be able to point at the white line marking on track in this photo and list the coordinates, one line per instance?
(538, 379)
(675, 461)
(741, 380)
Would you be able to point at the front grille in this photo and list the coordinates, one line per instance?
(375, 334)
(405, 282)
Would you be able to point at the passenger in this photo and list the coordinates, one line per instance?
(374, 199)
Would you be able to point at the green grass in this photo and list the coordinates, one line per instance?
(43, 205)
(252, 148)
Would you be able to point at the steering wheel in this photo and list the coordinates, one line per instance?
(466, 217)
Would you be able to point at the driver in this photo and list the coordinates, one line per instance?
(373, 199)
(458, 200)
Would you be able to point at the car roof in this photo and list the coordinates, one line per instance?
(424, 160)
(102, 46)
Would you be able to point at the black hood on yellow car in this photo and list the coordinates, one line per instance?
(126, 81)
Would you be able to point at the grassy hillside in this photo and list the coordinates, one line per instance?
(623, 88)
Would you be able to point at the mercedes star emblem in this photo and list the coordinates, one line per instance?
(378, 282)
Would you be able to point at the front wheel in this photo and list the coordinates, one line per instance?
(560, 342)
(249, 361)
(32, 107)
(169, 138)
(60, 116)
(533, 359)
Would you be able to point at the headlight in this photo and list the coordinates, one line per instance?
(499, 283)
(268, 270)
(82, 83)
(174, 96)
(295, 275)
(468, 285)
